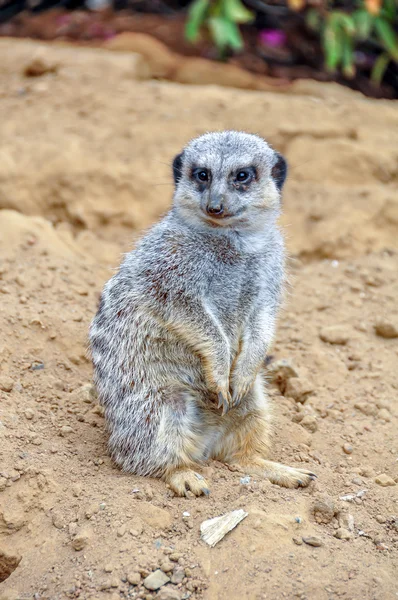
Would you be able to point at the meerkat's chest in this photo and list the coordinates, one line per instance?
(233, 291)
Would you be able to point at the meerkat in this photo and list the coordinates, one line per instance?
(183, 328)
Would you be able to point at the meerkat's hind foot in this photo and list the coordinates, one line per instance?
(182, 480)
(289, 477)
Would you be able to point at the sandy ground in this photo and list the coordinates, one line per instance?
(84, 166)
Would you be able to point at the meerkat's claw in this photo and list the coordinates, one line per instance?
(240, 391)
(224, 402)
(290, 477)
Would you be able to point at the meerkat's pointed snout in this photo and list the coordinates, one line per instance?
(215, 205)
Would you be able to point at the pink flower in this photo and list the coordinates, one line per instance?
(272, 37)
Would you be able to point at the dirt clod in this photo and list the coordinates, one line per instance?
(335, 334)
(298, 388)
(8, 564)
(81, 539)
(387, 329)
(343, 534)
(324, 510)
(6, 383)
(133, 578)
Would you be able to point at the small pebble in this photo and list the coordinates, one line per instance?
(167, 566)
(381, 546)
(6, 383)
(38, 66)
(81, 540)
(178, 575)
(133, 578)
(310, 423)
(175, 556)
(380, 519)
(335, 334)
(297, 541)
(66, 430)
(342, 534)
(346, 521)
(386, 329)
(29, 414)
(347, 448)
(299, 389)
(37, 366)
(384, 480)
(324, 510)
(155, 580)
(168, 593)
(313, 541)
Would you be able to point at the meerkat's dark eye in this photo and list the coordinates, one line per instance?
(243, 176)
(246, 176)
(202, 175)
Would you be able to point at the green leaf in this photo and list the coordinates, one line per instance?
(235, 38)
(225, 33)
(196, 17)
(338, 18)
(347, 59)
(379, 68)
(387, 36)
(363, 22)
(389, 9)
(347, 23)
(217, 30)
(236, 12)
(333, 46)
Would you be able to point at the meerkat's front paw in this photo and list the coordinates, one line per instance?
(240, 386)
(182, 480)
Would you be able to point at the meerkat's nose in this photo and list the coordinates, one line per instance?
(215, 206)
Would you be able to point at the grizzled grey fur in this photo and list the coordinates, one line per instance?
(184, 326)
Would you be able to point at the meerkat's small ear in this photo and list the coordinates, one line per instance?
(177, 166)
(279, 171)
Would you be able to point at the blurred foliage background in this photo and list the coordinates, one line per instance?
(352, 41)
(353, 35)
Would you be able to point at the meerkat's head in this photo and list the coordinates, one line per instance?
(229, 179)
